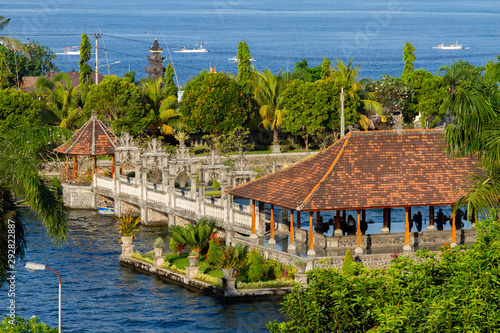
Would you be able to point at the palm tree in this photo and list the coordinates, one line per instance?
(162, 107)
(11, 42)
(474, 131)
(61, 100)
(196, 237)
(348, 77)
(268, 94)
(20, 150)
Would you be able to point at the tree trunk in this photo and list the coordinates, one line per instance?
(307, 142)
(275, 137)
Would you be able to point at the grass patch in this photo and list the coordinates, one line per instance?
(213, 193)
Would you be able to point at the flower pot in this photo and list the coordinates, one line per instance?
(228, 273)
(126, 240)
(301, 269)
(158, 251)
(193, 260)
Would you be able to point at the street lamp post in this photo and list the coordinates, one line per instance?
(97, 70)
(32, 266)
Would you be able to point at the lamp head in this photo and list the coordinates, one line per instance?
(32, 266)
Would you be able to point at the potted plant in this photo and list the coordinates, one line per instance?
(128, 226)
(193, 258)
(301, 266)
(159, 244)
(232, 257)
(196, 237)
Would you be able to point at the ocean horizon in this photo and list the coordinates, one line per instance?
(279, 33)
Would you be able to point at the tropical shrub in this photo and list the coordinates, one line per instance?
(456, 291)
(21, 325)
(128, 226)
(196, 237)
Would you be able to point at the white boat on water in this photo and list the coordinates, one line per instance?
(74, 50)
(190, 49)
(235, 59)
(455, 46)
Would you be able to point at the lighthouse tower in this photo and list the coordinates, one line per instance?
(155, 69)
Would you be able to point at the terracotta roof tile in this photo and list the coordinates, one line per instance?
(367, 170)
(93, 138)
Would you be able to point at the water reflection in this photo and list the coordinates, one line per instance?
(99, 295)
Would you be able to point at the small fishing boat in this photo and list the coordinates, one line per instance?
(72, 50)
(106, 210)
(455, 46)
(188, 49)
(235, 59)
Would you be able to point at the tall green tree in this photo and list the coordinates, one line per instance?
(268, 94)
(326, 70)
(244, 63)
(37, 60)
(408, 58)
(83, 66)
(215, 104)
(307, 107)
(119, 105)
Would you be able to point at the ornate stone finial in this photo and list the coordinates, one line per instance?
(126, 140)
(94, 113)
(154, 146)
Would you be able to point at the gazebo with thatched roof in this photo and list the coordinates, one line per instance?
(365, 170)
(92, 139)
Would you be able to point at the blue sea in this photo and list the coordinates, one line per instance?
(279, 33)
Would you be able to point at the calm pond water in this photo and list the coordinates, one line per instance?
(99, 295)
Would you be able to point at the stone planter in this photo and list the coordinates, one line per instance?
(158, 251)
(126, 240)
(301, 269)
(193, 260)
(228, 273)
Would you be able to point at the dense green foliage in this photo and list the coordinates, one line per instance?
(37, 62)
(21, 325)
(17, 108)
(196, 237)
(215, 104)
(83, 66)
(118, 104)
(456, 291)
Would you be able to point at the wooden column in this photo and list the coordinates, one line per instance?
(298, 219)
(311, 236)
(431, 219)
(112, 166)
(358, 249)
(75, 168)
(338, 231)
(453, 228)
(253, 218)
(291, 247)
(407, 246)
(271, 240)
(385, 226)
(94, 167)
(67, 167)
(358, 230)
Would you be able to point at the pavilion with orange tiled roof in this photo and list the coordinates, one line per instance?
(92, 139)
(365, 170)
